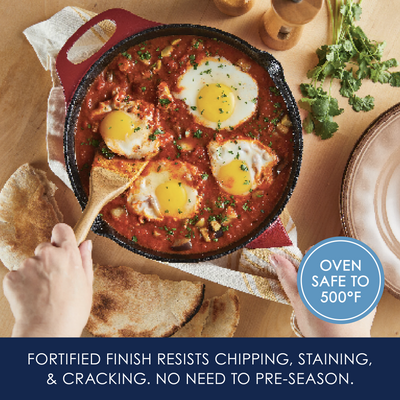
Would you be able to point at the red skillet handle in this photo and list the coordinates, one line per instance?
(127, 24)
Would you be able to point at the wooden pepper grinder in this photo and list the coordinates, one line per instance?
(281, 26)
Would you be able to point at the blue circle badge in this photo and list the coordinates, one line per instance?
(340, 280)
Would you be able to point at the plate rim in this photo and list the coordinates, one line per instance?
(366, 137)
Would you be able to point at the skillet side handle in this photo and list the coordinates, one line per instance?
(127, 24)
(274, 69)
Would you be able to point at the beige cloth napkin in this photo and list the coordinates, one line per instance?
(247, 270)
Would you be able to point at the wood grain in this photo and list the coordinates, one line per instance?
(24, 87)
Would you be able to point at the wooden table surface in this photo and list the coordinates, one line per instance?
(314, 206)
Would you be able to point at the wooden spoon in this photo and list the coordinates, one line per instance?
(108, 179)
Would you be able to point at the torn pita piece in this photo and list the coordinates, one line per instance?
(217, 317)
(28, 213)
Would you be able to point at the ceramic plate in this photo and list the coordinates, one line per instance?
(370, 198)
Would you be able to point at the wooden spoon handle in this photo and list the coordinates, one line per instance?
(85, 222)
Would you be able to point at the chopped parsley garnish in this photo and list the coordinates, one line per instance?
(92, 142)
(250, 134)
(107, 153)
(178, 146)
(275, 121)
(144, 56)
(153, 136)
(192, 58)
(127, 55)
(198, 134)
(164, 102)
(246, 206)
(274, 90)
(170, 231)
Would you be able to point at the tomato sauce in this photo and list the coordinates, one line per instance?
(136, 74)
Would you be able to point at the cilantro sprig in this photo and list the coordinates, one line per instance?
(351, 58)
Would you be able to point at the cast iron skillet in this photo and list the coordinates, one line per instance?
(131, 30)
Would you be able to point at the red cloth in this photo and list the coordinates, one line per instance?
(274, 236)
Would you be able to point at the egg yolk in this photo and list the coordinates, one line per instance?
(235, 177)
(216, 102)
(116, 125)
(172, 198)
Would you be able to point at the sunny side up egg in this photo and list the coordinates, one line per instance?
(219, 94)
(129, 131)
(241, 165)
(166, 189)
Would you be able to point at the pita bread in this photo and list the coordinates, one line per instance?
(217, 317)
(195, 326)
(28, 213)
(127, 303)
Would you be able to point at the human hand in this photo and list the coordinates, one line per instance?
(308, 323)
(51, 293)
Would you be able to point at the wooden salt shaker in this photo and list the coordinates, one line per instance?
(281, 26)
(234, 8)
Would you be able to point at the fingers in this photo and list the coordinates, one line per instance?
(287, 275)
(19, 276)
(62, 233)
(10, 279)
(86, 254)
(41, 247)
(63, 244)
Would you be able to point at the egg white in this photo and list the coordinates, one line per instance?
(218, 71)
(142, 197)
(258, 158)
